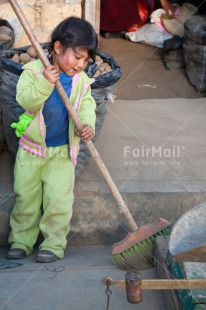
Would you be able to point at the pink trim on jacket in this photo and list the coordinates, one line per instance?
(38, 74)
(41, 123)
(86, 85)
(75, 79)
(34, 144)
(30, 112)
(33, 151)
(73, 151)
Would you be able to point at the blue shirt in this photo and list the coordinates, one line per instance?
(56, 115)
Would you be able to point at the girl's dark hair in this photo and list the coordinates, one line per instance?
(75, 32)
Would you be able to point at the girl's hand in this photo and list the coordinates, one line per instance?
(51, 74)
(87, 133)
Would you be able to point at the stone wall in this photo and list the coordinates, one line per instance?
(43, 16)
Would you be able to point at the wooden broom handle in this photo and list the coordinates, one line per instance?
(78, 123)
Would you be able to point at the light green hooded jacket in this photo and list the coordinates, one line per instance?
(33, 90)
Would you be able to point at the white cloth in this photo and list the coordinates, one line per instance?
(149, 34)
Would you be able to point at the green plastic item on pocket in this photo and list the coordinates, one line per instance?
(24, 121)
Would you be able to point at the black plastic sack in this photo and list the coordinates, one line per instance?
(195, 29)
(194, 51)
(7, 45)
(11, 110)
(195, 56)
(109, 78)
(9, 65)
(1, 130)
(172, 44)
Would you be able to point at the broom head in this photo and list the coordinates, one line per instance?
(136, 250)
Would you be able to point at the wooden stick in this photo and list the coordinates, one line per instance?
(79, 125)
(173, 284)
(157, 284)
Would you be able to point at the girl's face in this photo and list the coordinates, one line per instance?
(69, 61)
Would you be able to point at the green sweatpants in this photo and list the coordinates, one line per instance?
(42, 181)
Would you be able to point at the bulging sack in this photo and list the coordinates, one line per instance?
(1, 130)
(107, 78)
(7, 37)
(11, 110)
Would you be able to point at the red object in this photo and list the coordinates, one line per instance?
(118, 15)
(137, 291)
(144, 9)
(128, 15)
(136, 26)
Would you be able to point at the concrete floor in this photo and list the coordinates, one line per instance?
(76, 286)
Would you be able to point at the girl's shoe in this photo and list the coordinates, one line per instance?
(45, 256)
(16, 254)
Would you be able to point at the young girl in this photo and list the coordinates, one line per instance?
(44, 168)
